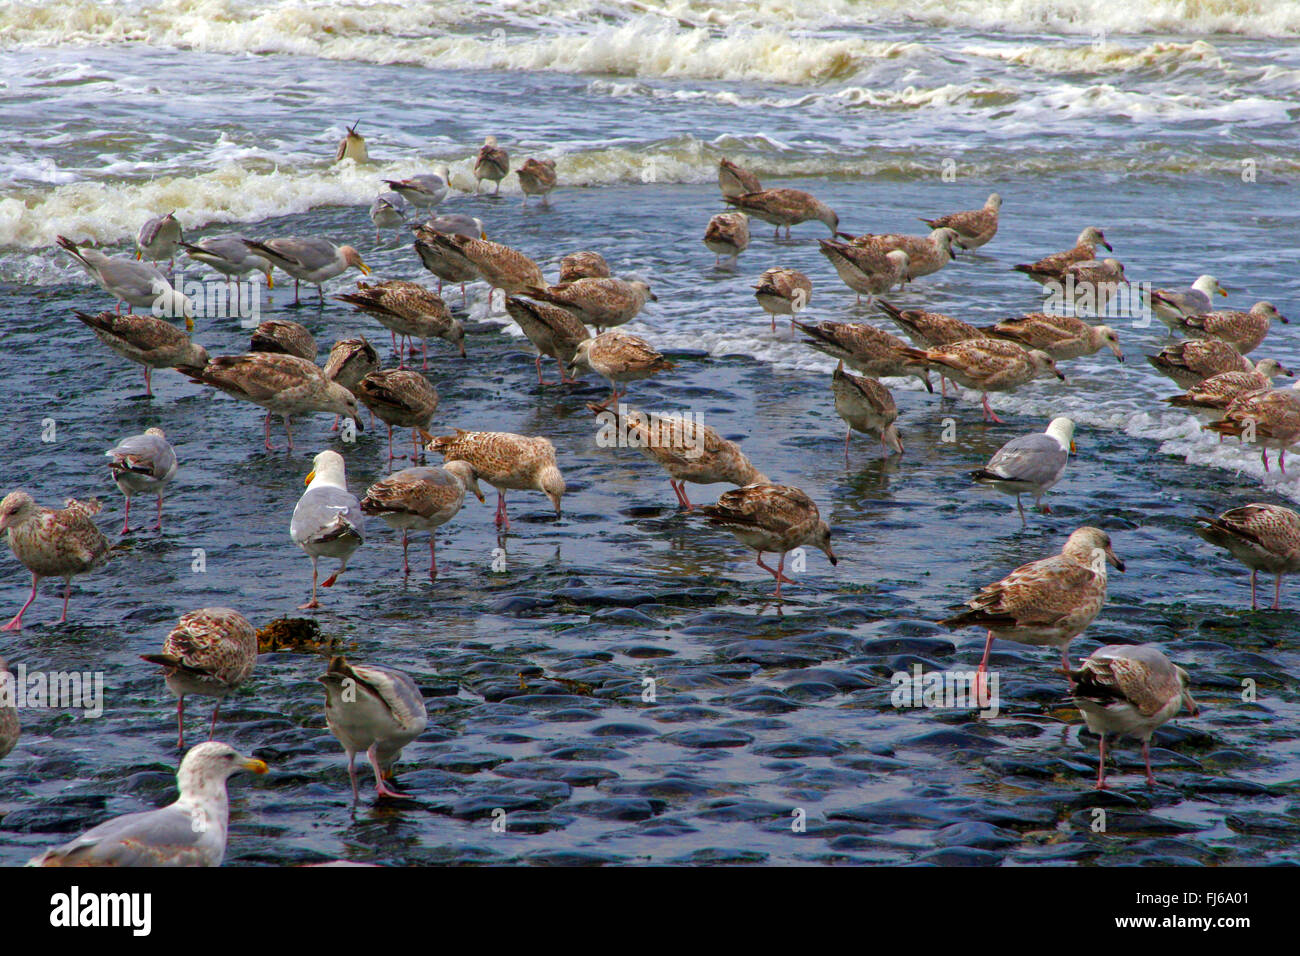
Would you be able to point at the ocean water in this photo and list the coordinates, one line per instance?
(1170, 125)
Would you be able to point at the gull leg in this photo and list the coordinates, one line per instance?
(1277, 590)
(288, 430)
(313, 602)
(1281, 460)
(266, 433)
(329, 581)
(1101, 763)
(1263, 454)
(777, 572)
(17, 623)
(406, 568)
(352, 775)
(381, 788)
(847, 434)
(180, 723)
(433, 556)
(212, 727)
(424, 348)
(1253, 605)
(148, 386)
(126, 521)
(1146, 755)
(158, 525)
(67, 593)
(1021, 508)
(990, 415)
(502, 519)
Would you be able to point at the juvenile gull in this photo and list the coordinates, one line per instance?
(865, 270)
(492, 164)
(327, 521)
(619, 358)
(1046, 603)
(1129, 690)
(425, 190)
(536, 178)
(138, 284)
(506, 462)
(1244, 331)
(1261, 536)
(445, 261)
(1085, 248)
(601, 303)
(974, 227)
(159, 238)
(866, 406)
(372, 709)
(500, 266)
(769, 517)
(1269, 419)
(210, 652)
(727, 234)
(350, 360)
(686, 448)
(783, 292)
(146, 341)
(308, 259)
(352, 146)
(735, 180)
(553, 331)
(143, 463)
(189, 832)
(785, 207)
(989, 365)
(388, 211)
(583, 265)
(1060, 336)
(286, 337)
(1220, 391)
(230, 256)
(408, 309)
(925, 254)
(1191, 362)
(421, 499)
(51, 543)
(454, 223)
(9, 726)
(869, 350)
(1030, 464)
(401, 397)
(284, 385)
(1171, 306)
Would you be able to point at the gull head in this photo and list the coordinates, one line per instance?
(1210, 286)
(643, 288)
(551, 482)
(353, 258)
(1092, 236)
(466, 475)
(1062, 429)
(581, 356)
(1092, 547)
(1186, 700)
(1269, 310)
(1272, 368)
(1108, 336)
(828, 215)
(207, 766)
(16, 509)
(947, 238)
(1045, 363)
(821, 539)
(994, 202)
(456, 334)
(327, 468)
(489, 141)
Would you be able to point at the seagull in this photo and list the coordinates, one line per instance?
(990, 365)
(388, 211)
(159, 238)
(1085, 248)
(1030, 464)
(598, 302)
(505, 461)
(727, 235)
(424, 499)
(866, 406)
(770, 517)
(492, 164)
(210, 652)
(1045, 603)
(327, 521)
(401, 397)
(230, 256)
(189, 832)
(1244, 331)
(425, 190)
(583, 265)
(352, 146)
(1263, 537)
(619, 358)
(975, 227)
(50, 543)
(143, 463)
(372, 709)
(735, 180)
(537, 178)
(308, 259)
(146, 341)
(784, 207)
(138, 284)
(552, 330)
(783, 292)
(284, 336)
(1129, 690)
(1172, 306)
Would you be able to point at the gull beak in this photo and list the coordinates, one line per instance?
(310, 476)
(1109, 247)
(1283, 319)
(1074, 449)
(270, 282)
(139, 255)
(1223, 291)
(255, 766)
(1119, 565)
(189, 324)
(482, 235)
(365, 269)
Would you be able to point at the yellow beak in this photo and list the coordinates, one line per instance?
(270, 282)
(1074, 449)
(189, 324)
(255, 766)
(310, 476)
(365, 269)
(482, 235)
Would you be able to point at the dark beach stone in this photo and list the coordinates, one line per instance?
(903, 812)
(620, 808)
(709, 738)
(624, 615)
(571, 858)
(464, 762)
(719, 856)
(1263, 824)
(800, 748)
(961, 856)
(983, 836)
(604, 597)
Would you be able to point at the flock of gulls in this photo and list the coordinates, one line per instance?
(375, 710)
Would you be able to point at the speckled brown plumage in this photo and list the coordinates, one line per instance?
(784, 207)
(146, 341)
(1269, 419)
(1189, 363)
(735, 180)
(506, 461)
(536, 177)
(1244, 331)
(865, 406)
(783, 292)
(1220, 391)
(1060, 336)
(1085, 248)
(1262, 536)
(925, 254)
(52, 543)
(974, 227)
(867, 271)
(281, 335)
(619, 357)
(552, 330)
(867, 349)
(727, 234)
(409, 309)
(583, 265)
(600, 303)
(990, 365)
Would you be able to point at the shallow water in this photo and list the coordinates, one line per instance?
(534, 675)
